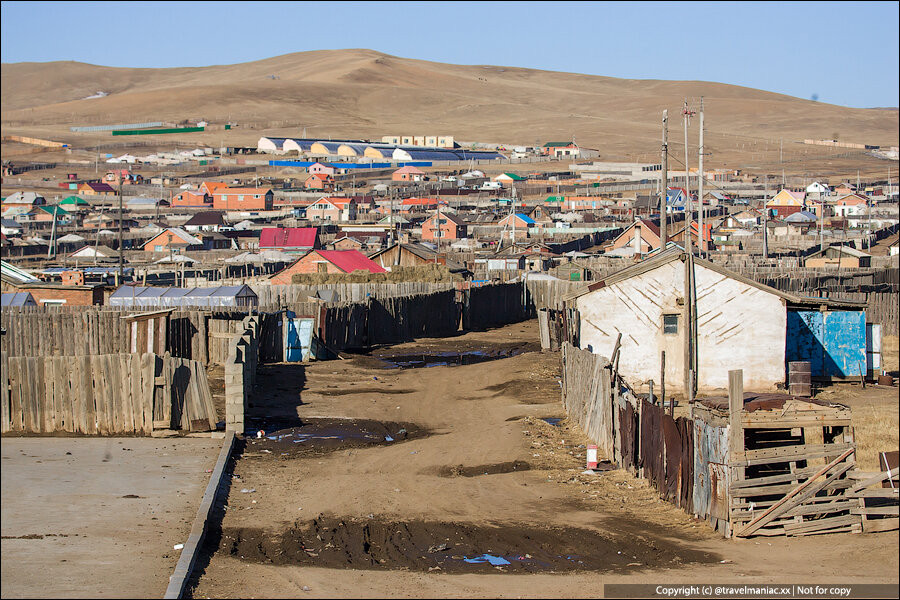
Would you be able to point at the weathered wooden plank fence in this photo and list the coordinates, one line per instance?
(104, 394)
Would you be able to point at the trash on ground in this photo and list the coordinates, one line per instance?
(495, 561)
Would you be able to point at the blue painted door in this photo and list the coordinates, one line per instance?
(845, 343)
(805, 336)
(297, 338)
(834, 342)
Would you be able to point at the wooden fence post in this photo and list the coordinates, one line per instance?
(735, 433)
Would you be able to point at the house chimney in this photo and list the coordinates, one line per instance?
(637, 237)
(72, 278)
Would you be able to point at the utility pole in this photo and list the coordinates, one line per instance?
(663, 199)
(688, 212)
(121, 255)
(51, 249)
(766, 220)
(700, 185)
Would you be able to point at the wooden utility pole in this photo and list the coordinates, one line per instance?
(51, 249)
(688, 208)
(700, 186)
(663, 199)
(121, 251)
(766, 220)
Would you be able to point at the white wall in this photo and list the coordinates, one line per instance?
(739, 327)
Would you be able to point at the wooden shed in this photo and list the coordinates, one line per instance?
(773, 464)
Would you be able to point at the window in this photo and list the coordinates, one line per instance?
(670, 324)
(322, 267)
(240, 197)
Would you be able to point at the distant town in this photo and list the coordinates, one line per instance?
(421, 356)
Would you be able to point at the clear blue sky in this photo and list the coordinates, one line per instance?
(844, 53)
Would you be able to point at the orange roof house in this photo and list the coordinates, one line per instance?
(319, 181)
(188, 198)
(243, 199)
(211, 187)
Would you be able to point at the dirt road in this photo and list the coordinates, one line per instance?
(445, 481)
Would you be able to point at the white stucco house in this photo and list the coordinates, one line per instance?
(738, 323)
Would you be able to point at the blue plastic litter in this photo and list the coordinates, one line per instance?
(388, 438)
(496, 561)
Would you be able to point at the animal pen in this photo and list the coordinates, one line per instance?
(750, 464)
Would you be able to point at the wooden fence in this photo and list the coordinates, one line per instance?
(587, 396)
(104, 394)
(749, 464)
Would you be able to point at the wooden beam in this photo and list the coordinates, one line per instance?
(787, 503)
(875, 479)
(876, 525)
(787, 453)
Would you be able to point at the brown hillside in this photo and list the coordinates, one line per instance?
(363, 93)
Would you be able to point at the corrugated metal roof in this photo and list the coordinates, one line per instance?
(17, 299)
(288, 237)
(350, 260)
(128, 295)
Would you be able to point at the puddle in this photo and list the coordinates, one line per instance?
(353, 543)
(320, 436)
(552, 420)
(446, 359)
(492, 469)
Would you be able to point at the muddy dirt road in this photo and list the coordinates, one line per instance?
(387, 475)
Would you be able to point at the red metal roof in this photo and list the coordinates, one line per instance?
(350, 260)
(288, 237)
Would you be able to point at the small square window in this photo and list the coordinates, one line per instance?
(670, 324)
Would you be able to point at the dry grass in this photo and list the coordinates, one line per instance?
(875, 428)
(890, 353)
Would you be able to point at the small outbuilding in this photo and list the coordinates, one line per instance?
(708, 321)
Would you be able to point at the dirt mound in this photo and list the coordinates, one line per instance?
(374, 543)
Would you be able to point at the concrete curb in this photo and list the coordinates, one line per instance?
(178, 580)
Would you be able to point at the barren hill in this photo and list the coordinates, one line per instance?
(364, 93)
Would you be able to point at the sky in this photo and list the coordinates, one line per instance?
(843, 53)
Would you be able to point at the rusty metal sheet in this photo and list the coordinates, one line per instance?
(710, 448)
(652, 445)
(686, 482)
(672, 440)
(628, 435)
